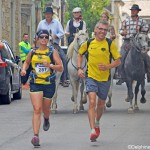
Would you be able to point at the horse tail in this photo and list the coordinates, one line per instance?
(70, 50)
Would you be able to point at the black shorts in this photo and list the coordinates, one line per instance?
(47, 89)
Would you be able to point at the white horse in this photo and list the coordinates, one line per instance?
(80, 37)
(58, 76)
(109, 102)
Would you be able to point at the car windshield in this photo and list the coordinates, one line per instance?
(3, 54)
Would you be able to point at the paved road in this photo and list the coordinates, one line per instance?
(119, 130)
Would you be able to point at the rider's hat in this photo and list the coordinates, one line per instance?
(77, 9)
(48, 10)
(42, 32)
(135, 7)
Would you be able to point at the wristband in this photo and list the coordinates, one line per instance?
(51, 66)
(79, 68)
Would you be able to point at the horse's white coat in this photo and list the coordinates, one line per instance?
(75, 81)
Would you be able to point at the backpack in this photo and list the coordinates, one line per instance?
(50, 53)
(51, 78)
(109, 41)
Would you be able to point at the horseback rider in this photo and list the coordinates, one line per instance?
(111, 30)
(130, 26)
(74, 24)
(49, 23)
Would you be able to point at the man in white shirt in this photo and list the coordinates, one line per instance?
(49, 23)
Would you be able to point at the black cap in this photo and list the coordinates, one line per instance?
(135, 7)
(42, 32)
(48, 10)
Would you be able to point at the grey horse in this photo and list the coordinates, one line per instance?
(134, 69)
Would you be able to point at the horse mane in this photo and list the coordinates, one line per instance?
(71, 48)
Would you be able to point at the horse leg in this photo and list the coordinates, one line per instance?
(54, 99)
(143, 92)
(109, 104)
(130, 95)
(136, 94)
(54, 104)
(83, 99)
(75, 87)
(83, 93)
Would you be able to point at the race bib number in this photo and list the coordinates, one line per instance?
(41, 69)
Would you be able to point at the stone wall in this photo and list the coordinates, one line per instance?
(10, 18)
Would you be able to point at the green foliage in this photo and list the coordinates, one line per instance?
(91, 10)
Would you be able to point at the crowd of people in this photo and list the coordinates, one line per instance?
(41, 61)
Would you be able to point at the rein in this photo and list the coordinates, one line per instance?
(76, 51)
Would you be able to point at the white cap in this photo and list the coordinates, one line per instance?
(77, 9)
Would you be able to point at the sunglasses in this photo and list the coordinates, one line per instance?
(42, 37)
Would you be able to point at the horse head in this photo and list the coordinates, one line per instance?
(81, 36)
(141, 41)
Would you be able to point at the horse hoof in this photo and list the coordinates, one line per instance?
(84, 101)
(143, 100)
(75, 111)
(54, 111)
(72, 98)
(108, 104)
(81, 108)
(127, 100)
(136, 108)
(130, 110)
(54, 108)
(104, 109)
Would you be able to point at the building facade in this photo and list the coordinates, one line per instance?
(10, 22)
(22, 16)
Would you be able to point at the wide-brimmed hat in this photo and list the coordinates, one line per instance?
(48, 10)
(77, 9)
(42, 32)
(135, 7)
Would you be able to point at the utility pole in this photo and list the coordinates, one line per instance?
(62, 17)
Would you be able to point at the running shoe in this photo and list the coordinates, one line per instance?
(97, 130)
(46, 124)
(93, 136)
(35, 141)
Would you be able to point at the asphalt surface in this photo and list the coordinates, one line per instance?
(68, 131)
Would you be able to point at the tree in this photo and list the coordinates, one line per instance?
(91, 10)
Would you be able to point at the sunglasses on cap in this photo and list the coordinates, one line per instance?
(42, 37)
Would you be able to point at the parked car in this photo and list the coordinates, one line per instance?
(10, 79)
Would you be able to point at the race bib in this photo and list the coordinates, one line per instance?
(41, 69)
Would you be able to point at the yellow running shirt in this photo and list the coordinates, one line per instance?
(38, 68)
(98, 52)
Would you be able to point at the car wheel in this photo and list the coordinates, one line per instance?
(18, 95)
(6, 99)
